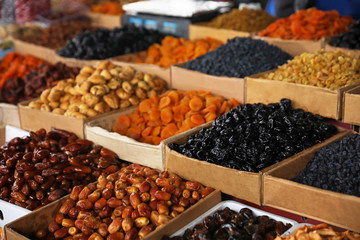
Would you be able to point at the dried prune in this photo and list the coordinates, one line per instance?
(335, 167)
(255, 136)
(239, 57)
(104, 43)
(349, 39)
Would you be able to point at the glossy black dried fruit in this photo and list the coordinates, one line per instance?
(350, 39)
(255, 136)
(335, 167)
(240, 57)
(104, 43)
(221, 226)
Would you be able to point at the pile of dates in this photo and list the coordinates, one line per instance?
(239, 57)
(104, 43)
(41, 168)
(128, 204)
(35, 82)
(227, 224)
(335, 167)
(255, 136)
(98, 90)
(57, 35)
(349, 39)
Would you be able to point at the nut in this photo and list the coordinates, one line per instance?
(101, 107)
(106, 74)
(143, 85)
(122, 94)
(114, 84)
(87, 69)
(91, 113)
(58, 111)
(35, 105)
(98, 90)
(84, 87)
(64, 105)
(134, 100)
(90, 100)
(54, 104)
(140, 93)
(97, 79)
(44, 96)
(127, 87)
(45, 107)
(112, 100)
(134, 81)
(81, 78)
(124, 103)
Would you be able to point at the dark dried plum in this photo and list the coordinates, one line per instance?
(255, 136)
(240, 57)
(104, 43)
(349, 39)
(335, 167)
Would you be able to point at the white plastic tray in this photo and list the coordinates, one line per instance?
(236, 206)
(10, 212)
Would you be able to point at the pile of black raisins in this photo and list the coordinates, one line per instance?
(350, 39)
(335, 167)
(105, 43)
(240, 57)
(255, 136)
(227, 224)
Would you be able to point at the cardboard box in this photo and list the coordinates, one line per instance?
(240, 184)
(45, 53)
(182, 78)
(9, 114)
(352, 52)
(323, 101)
(334, 208)
(34, 119)
(105, 20)
(200, 30)
(351, 106)
(100, 132)
(295, 47)
(25, 227)
(2, 134)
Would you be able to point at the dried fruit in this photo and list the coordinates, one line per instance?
(174, 50)
(228, 224)
(331, 70)
(308, 24)
(246, 20)
(320, 231)
(129, 217)
(175, 111)
(255, 136)
(349, 39)
(335, 167)
(239, 57)
(45, 166)
(104, 43)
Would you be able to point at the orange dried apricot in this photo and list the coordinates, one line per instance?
(173, 112)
